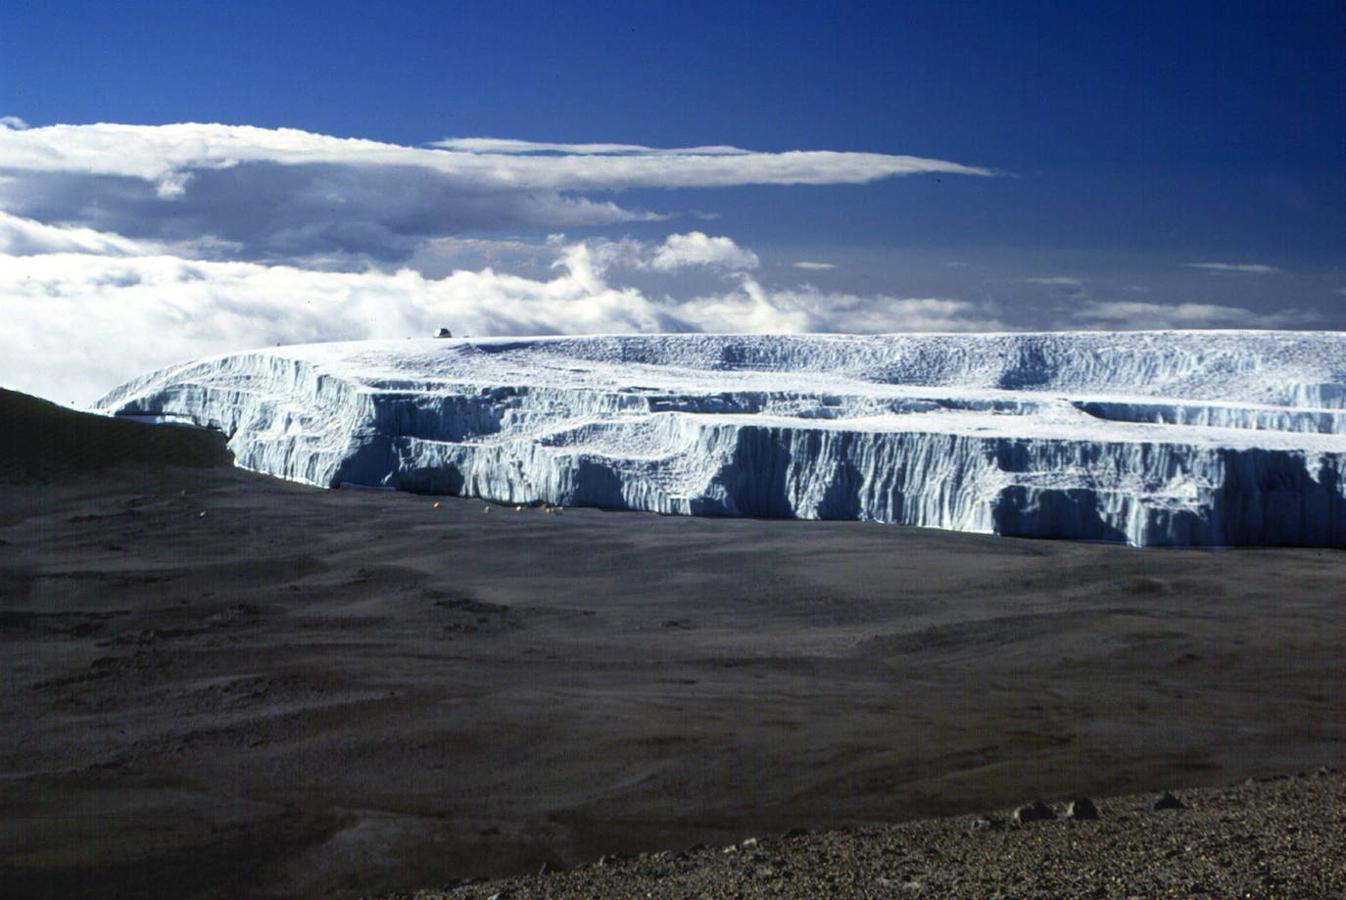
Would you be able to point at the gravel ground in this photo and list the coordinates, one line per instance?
(1278, 838)
(218, 685)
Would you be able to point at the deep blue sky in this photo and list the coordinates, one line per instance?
(1019, 85)
(1160, 132)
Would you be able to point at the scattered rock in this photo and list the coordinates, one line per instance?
(1081, 808)
(1037, 811)
(1167, 801)
(550, 866)
(749, 843)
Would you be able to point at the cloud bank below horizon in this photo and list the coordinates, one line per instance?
(126, 248)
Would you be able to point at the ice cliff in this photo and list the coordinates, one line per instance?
(1149, 438)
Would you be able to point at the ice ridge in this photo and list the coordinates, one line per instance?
(1147, 438)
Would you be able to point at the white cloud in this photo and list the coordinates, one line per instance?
(813, 266)
(78, 324)
(153, 152)
(506, 145)
(693, 250)
(13, 122)
(84, 310)
(680, 251)
(753, 308)
(24, 237)
(1139, 316)
(1061, 286)
(287, 195)
(1242, 268)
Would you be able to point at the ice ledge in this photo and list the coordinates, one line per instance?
(1148, 438)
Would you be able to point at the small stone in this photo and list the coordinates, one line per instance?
(732, 848)
(749, 843)
(985, 824)
(1037, 811)
(437, 505)
(550, 866)
(1081, 808)
(1167, 801)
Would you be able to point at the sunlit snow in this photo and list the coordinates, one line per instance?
(1148, 438)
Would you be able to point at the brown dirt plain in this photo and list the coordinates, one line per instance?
(218, 684)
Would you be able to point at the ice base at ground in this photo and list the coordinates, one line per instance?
(1147, 438)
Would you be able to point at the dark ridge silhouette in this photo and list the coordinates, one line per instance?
(41, 440)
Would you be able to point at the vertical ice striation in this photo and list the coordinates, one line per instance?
(1148, 438)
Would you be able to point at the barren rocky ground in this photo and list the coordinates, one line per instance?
(1285, 838)
(220, 685)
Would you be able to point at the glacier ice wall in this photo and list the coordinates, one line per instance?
(1148, 438)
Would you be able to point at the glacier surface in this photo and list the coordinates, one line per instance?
(1147, 438)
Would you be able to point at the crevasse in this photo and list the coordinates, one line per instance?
(1148, 438)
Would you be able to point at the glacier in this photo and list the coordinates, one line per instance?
(1175, 438)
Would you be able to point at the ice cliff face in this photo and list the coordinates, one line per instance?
(1147, 438)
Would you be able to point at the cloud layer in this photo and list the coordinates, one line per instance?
(79, 323)
(126, 248)
(1241, 268)
(233, 191)
(1138, 316)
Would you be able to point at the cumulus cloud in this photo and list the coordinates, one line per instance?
(24, 237)
(1242, 268)
(680, 251)
(284, 194)
(1135, 315)
(753, 308)
(693, 250)
(13, 122)
(78, 324)
(813, 266)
